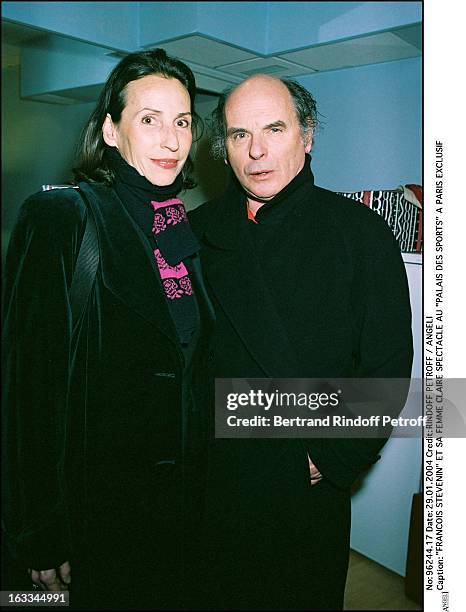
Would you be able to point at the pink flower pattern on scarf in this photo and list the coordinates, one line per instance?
(175, 279)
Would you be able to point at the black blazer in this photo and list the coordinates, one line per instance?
(325, 295)
(96, 415)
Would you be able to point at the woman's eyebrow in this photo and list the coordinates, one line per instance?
(158, 112)
(152, 110)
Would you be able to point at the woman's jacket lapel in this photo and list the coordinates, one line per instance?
(127, 263)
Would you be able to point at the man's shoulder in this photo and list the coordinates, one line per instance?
(199, 217)
(351, 213)
(359, 227)
(340, 204)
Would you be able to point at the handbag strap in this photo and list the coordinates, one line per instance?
(87, 262)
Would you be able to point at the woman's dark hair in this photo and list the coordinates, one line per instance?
(304, 103)
(92, 165)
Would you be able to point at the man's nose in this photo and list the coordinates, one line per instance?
(257, 147)
(169, 138)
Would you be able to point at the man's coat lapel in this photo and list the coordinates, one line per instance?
(235, 278)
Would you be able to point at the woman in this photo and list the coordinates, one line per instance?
(104, 415)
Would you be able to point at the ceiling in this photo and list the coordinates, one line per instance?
(398, 44)
(231, 64)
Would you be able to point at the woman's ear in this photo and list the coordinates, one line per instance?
(109, 132)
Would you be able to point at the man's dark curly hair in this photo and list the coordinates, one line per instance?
(92, 164)
(304, 103)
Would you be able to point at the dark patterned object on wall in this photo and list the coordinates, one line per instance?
(402, 210)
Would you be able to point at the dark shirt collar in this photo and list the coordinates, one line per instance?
(272, 207)
(229, 213)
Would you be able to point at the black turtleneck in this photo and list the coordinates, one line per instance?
(272, 210)
(177, 245)
(272, 216)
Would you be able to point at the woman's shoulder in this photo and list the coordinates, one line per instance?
(60, 209)
(54, 219)
(54, 202)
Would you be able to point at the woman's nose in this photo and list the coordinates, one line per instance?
(169, 139)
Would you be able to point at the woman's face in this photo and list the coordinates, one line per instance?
(154, 132)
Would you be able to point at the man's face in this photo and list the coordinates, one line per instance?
(154, 132)
(264, 143)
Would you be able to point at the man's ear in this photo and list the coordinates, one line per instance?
(308, 140)
(109, 132)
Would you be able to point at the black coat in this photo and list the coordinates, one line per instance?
(104, 429)
(316, 289)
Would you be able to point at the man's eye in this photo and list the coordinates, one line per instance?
(239, 135)
(184, 123)
(147, 120)
(275, 130)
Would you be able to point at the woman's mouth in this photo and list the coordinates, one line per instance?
(167, 164)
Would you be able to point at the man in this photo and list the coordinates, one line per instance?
(307, 284)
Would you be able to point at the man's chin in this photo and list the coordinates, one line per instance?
(262, 196)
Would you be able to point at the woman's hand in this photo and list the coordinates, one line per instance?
(52, 579)
(316, 476)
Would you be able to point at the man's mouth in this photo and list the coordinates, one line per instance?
(167, 164)
(259, 175)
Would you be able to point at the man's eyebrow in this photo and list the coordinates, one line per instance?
(275, 124)
(234, 130)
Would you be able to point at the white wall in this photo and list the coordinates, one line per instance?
(381, 506)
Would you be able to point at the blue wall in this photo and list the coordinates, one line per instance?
(372, 137)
